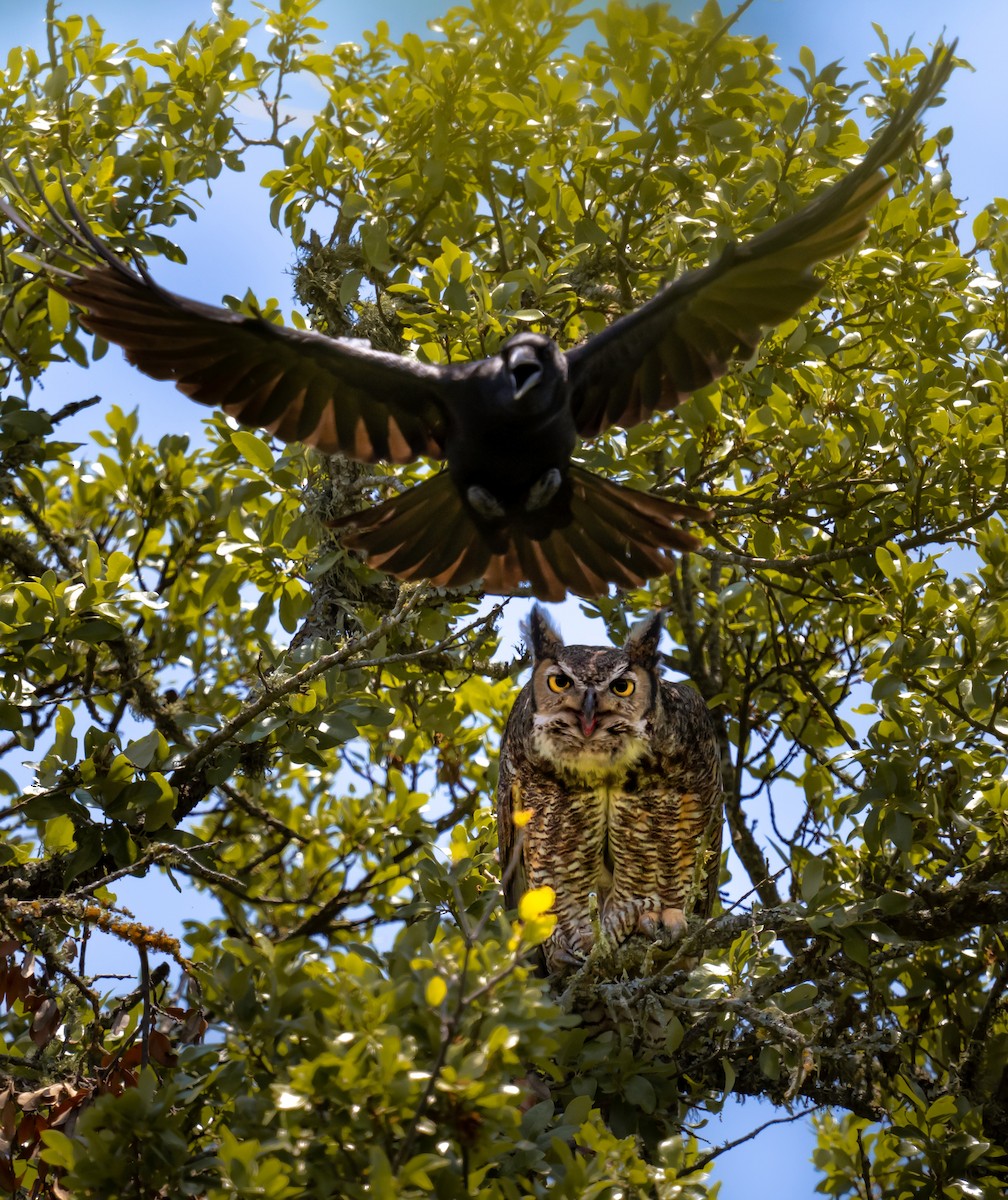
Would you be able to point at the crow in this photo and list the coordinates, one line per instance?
(509, 506)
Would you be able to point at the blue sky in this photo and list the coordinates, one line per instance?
(232, 246)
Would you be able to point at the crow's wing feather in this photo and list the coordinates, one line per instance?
(336, 394)
(689, 334)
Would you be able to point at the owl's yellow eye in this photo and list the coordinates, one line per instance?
(558, 682)
(622, 687)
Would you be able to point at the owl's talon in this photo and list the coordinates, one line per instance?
(667, 925)
(582, 942)
(562, 954)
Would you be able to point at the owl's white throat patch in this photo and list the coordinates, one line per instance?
(605, 756)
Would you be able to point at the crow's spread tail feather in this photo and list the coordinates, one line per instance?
(595, 533)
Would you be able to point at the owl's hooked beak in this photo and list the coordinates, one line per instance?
(587, 717)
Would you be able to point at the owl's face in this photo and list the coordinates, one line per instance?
(592, 704)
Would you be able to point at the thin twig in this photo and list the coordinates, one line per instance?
(706, 1159)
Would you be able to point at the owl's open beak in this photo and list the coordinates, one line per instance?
(587, 717)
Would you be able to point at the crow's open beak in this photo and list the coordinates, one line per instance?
(525, 368)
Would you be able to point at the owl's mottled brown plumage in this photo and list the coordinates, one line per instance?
(621, 771)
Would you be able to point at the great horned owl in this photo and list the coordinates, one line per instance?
(621, 772)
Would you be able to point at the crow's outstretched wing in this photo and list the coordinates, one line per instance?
(336, 394)
(689, 334)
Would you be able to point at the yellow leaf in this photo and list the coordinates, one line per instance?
(536, 902)
(521, 817)
(435, 991)
(538, 930)
(59, 311)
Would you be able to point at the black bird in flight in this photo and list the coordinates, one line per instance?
(510, 506)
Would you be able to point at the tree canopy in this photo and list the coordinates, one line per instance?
(209, 689)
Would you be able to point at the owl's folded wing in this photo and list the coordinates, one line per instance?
(509, 802)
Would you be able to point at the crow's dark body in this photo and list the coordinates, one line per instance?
(502, 445)
(511, 506)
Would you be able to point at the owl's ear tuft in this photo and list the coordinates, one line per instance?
(542, 635)
(642, 644)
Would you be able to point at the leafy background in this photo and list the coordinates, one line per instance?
(235, 219)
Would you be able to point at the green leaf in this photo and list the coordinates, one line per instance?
(59, 311)
(147, 749)
(798, 998)
(640, 1092)
(812, 877)
(59, 835)
(58, 1150)
(770, 1062)
(507, 102)
(253, 448)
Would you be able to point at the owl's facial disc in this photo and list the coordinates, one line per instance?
(590, 720)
